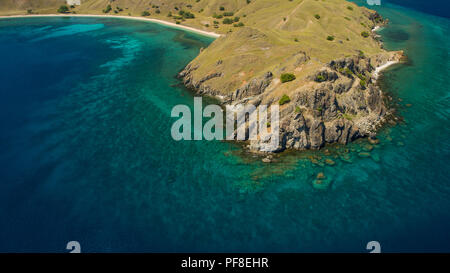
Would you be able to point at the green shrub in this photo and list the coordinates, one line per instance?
(349, 8)
(186, 14)
(107, 9)
(227, 21)
(330, 38)
(221, 8)
(348, 72)
(320, 78)
(228, 13)
(361, 76)
(365, 34)
(287, 77)
(145, 13)
(347, 116)
(284, 99)
(158, 11)
(65, 9)
(298, 109)
(363, 84)
(317, 16)
(236, 19)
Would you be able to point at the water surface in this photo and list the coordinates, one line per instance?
(86, 152)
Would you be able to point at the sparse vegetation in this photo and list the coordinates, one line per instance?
(287, 77)
(361, 54)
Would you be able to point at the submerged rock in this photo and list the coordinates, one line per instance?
(321, 184)
(320, 175)
(368, 147)
(374, 140)
(330, 162)
(364, 154)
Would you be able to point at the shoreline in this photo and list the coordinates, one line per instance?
(157, 21)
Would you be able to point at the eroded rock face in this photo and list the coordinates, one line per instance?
(254, 87)
(339, 102)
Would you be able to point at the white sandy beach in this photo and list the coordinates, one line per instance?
(377, 71)
(162, 22)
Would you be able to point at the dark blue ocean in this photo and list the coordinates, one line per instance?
(86, 153)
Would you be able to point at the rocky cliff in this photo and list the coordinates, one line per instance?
(333, 99)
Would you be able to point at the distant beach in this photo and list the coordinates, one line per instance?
(198, 31)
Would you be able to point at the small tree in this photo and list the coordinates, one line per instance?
(63, 9)
(107, 9)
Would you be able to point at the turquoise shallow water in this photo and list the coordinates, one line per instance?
(86, 152)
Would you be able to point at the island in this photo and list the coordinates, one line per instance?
(318, 60)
